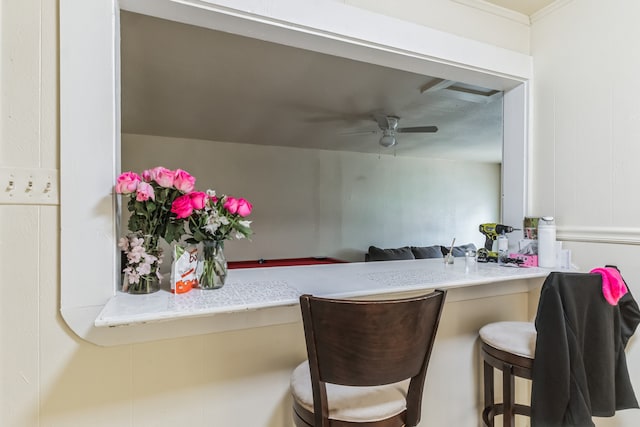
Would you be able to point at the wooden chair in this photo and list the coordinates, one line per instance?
(367, 361)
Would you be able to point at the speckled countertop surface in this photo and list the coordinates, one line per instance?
(256, 288)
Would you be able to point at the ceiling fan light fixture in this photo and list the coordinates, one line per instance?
(388, 139)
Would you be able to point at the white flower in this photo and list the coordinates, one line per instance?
(135, 254)
(136, 242)
(149, 259)
(212, 225)
(144, 268)
(139, 262)
(244, 223)
(123, 243)
(133, 278)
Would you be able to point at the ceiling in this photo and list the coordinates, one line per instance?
(184, 81)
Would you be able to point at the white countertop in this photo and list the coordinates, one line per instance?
(257, 288)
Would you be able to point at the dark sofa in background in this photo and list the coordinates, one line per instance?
(415, 252)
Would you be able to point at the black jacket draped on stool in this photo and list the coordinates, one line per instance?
(580, 368)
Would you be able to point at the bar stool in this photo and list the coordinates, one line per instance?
(509, 347)
(367, 361)
(582, 327)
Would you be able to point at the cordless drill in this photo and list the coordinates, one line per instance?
(491, 232)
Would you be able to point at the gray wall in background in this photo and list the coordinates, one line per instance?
(328, 203)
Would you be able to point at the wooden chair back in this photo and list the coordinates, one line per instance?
(370, 343)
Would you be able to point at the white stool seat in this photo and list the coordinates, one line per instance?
(518, 338)
(355, 404)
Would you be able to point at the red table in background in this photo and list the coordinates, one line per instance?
(284, 262)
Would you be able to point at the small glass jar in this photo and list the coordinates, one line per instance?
(470, 260)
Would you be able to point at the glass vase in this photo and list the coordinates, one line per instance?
(147, 284)
(213, 265)
(142, 258)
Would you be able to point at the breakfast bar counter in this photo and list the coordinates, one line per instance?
(251, 290)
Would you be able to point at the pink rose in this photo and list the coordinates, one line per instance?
(182, 207)
(198, 199)
(163, 176)
(213, 199)
(183, 181)
(145, 192)
(147, 175)
(127, 183)
(231, 204)
(244, 207)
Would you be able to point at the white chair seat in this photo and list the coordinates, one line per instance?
(355, 404)
(518, 338)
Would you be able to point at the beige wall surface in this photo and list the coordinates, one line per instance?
(49, 377)
(327, 203)
(586, 130)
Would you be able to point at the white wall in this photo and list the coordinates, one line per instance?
(51, 378)
(328, 203)
(586, 132)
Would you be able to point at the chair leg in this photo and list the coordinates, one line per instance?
(489, 400)
(508, 386)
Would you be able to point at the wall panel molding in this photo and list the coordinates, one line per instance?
(494, 9)
(614, 235)
(549, 9)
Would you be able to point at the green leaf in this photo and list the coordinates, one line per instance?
(200, 236)
(174, 232)
(136, 223)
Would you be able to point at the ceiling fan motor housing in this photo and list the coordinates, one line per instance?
(389, 127)
(392, 123)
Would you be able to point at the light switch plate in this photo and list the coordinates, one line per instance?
(22, 186)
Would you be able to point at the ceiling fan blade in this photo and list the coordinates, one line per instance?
(358, 132)
(418, 129)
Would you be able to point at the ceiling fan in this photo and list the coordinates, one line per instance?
(389, 127)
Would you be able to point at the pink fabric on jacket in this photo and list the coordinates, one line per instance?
(613, 286)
